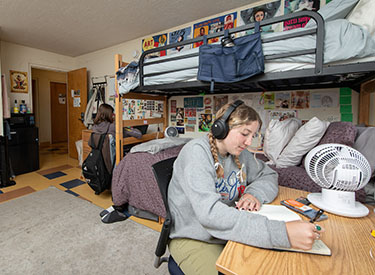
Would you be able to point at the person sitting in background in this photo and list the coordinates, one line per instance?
(216, 184)
(104, 123)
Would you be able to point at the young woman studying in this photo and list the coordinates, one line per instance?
(210, 175)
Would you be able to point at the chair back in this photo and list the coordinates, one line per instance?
(163, 173)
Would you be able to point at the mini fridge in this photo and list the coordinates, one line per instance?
(24, 144)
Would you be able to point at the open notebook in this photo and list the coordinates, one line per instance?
(281, 213)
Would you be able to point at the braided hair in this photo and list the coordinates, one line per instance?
(243, 114)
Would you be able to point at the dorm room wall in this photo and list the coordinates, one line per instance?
(345, 103)
(22, 58)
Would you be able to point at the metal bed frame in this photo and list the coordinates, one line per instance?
(321, 76)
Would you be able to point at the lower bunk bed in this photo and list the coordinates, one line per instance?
(134, 184)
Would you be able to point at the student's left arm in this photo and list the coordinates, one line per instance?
(262, 181)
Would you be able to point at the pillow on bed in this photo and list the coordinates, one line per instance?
(336, 9)
(156, 145)
(307, 136)
(364, 15)
(278, 135)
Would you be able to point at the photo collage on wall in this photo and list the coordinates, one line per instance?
(197, 114)
(141, 109)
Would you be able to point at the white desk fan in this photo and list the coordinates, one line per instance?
(339, 170)
(171, 131)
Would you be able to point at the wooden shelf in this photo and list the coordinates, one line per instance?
(144, 138)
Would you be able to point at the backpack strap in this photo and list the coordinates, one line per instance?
(257, 27)
(101, 141)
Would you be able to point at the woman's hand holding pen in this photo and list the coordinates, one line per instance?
(248, 202)
(302, 234)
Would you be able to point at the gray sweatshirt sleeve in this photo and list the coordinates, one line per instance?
(198, 212)
(262, 180)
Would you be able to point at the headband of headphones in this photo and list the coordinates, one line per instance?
(220, 127)
(231, 109)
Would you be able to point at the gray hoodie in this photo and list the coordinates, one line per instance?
(202, 206)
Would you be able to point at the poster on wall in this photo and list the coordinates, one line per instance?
(180, 117)
(220, 101)
(18, 82)
(269, 101)
(259, 13)
(281, 115)
(213, 25)
(205, 122)
(190, 128)
(300, 100)
(282, 100)
(173, 106)
(324, 100)
(291, 6)
(154, 42)
(179, 36)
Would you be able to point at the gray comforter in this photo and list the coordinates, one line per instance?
(133, 181)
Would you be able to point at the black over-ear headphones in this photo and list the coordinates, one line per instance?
(220, 127)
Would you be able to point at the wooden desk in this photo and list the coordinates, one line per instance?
(349, 239)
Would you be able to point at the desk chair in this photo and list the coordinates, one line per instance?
(163, 174)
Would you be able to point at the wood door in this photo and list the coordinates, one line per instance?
(77, 101)
(59, 130)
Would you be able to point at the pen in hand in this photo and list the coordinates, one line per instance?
(317, 216)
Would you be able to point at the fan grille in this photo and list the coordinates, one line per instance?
(338, 167)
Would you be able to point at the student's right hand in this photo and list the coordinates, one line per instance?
(302, 234)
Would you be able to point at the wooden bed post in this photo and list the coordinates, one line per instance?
(165, 113)
(364, 101)
(118, 111)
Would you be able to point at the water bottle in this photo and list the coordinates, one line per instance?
(15, 109)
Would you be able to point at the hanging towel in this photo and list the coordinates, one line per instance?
(6, 110)
(92, 107)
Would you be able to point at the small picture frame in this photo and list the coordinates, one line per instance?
(19, 82)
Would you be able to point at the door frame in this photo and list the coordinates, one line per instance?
(36, 96)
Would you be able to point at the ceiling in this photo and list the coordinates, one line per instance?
(73, 28)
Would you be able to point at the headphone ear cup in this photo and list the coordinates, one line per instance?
(219, 129)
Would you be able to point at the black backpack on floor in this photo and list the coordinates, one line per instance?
(94, 169)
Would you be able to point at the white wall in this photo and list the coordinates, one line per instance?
(20, 58)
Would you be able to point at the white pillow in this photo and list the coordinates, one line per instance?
(364, 15)
(277, 136)
(336, 9)
(307, 136)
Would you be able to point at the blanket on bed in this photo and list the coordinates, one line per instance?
(133, 181)
(156, 145)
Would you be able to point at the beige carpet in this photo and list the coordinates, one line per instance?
(53, 232)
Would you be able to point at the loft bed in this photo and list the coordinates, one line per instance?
(309, 64)
(283, 71)
(120, 123)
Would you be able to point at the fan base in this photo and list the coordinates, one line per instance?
(339, 203)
